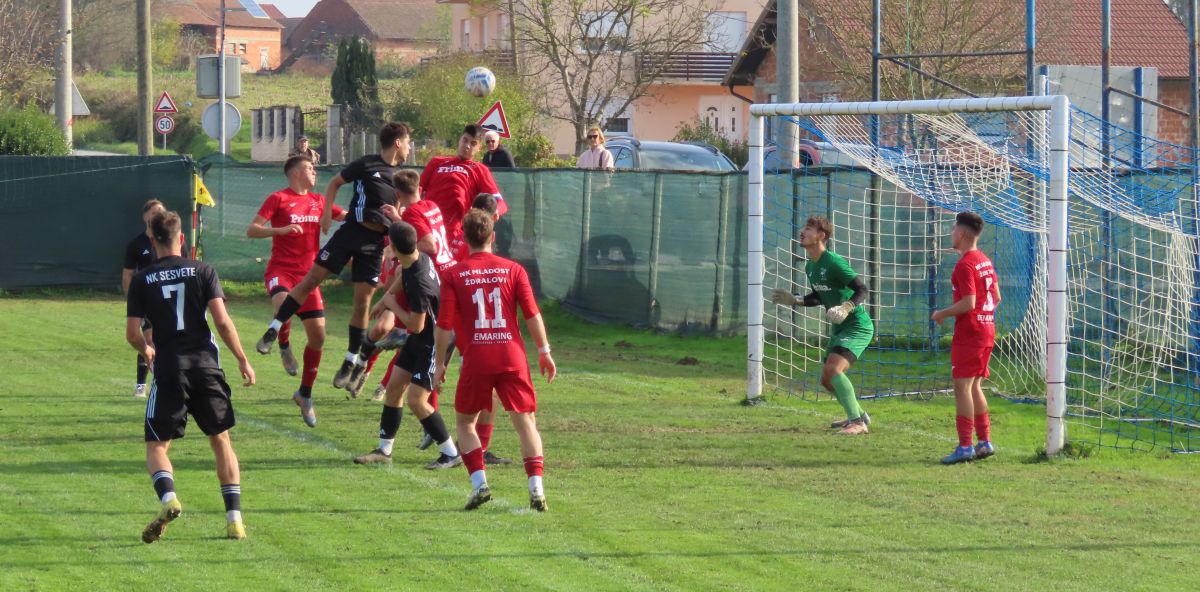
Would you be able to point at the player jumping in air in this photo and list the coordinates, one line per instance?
(976, 296)
(176, 294)
(479, 301)
(139, 254)
(836, 287)
(453, 183)
(371, 209)
(294, 215)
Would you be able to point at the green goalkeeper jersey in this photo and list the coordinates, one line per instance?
(830, 278)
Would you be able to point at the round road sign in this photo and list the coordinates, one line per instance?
(164, 124)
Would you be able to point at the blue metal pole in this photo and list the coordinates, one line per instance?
(1030, 43)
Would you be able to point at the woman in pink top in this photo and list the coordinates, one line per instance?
(596, 156)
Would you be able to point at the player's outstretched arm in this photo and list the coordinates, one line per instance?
(133, 334)
(537, 330)
(781, 296)
(330, 196)
(228, 333)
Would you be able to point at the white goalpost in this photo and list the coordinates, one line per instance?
(940, 164)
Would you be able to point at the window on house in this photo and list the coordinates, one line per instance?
(503, 33)
(616, 125)
(483, 33)
(466, 34)
(242, 48)
(232, 50)
(726, 31)
(605, 31)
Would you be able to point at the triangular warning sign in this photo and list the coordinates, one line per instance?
(494, 120)
(165, 104)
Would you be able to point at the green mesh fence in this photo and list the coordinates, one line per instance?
(654, 249)
(65, 221)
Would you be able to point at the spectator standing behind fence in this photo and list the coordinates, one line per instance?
(596, 156)
(302, 149)
(497, 156)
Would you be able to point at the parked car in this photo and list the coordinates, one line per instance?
(811, 154)
(633, 154)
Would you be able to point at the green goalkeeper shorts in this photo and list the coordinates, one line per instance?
(851, 338)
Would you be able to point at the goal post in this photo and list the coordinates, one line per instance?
(948, 159)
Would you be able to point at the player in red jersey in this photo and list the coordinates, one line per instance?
(479, 300)
(976, 296)
(294, 215)
(452, 182)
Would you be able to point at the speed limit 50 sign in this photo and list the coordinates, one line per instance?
(164, 124)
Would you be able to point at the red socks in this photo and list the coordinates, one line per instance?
(533, 466)
(473, 460)
(388, 375)
(966, 427)
(484, 431)
(312, 359)
(371, 360)
(285, 335)
(433, 400)
(983, 427)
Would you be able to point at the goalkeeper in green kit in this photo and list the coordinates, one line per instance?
(836, 287)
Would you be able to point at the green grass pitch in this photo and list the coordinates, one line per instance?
(657, 480)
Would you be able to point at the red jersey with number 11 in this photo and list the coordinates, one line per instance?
(479, 302)
(974, 275)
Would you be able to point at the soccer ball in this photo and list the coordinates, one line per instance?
(480, 81)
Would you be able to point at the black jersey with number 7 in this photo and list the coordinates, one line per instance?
(174, 294)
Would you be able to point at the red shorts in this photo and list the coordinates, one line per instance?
(970, 362)
(282, 281)
(515, 389)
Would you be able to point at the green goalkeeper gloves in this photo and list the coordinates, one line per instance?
(838, 313)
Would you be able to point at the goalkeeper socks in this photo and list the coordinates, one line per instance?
(142, 369)
(966, 427)
(983, 427)
(844, 391)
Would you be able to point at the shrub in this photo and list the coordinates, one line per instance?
(91, 131)
(30, 132)
(698, 130)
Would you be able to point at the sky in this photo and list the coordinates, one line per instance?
(296, 8)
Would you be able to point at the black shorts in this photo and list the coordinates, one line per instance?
(354, 241)
(202, 392)
(417, 359)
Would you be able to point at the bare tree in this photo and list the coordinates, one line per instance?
(27, 40)
(842, 33)
(591, 59)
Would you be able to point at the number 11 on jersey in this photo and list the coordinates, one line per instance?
(481, 319)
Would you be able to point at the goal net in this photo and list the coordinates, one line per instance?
(1095, 256)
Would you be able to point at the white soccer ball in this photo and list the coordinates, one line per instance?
(480, 81)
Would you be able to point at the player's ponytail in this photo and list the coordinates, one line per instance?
(164, 228)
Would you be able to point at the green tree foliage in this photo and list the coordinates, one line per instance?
(698, 130)
(434, 102)
(30, 132)
(354, 83)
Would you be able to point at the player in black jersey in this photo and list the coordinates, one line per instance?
(412, 377)
(139, 254)
(371, 209)
(175, 294)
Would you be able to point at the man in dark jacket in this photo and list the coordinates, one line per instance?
(497, 156)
